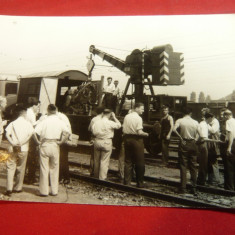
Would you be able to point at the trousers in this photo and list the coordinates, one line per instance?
(231, 169)
(49, 167)
(121, 161)
(102, 153)
(134, 158)
(165, 150)
(64, 162)
(203, 163)
(32, 161)
(16, 167)
(188, 160)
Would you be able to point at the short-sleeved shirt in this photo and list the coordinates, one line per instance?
(93, 120)
(31, 116)
(20, 130)
(109, 88)
(188, 127)
(51, 128)
(214, 126)
(104, 128)
(132, 124)
(203, 129)
(230, 126)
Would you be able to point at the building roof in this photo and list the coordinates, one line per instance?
(71, 74)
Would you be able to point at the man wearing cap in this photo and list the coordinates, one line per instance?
(187, 148)
(53, 132)
(134, 145)
(230, 129)
(18, 134)
(103, 130)
(108, 93)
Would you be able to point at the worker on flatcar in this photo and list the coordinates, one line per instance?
(230, 129)
(134, 145)
(52, 132)
(18, 134)
(187, 148)
(116, 96)
(167, 125)
(108, 91)
(3, 104)
(103, 131)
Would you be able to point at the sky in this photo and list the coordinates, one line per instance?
(39, 44)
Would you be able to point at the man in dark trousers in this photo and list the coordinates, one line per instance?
(167, 125)
(134, 145)
(187, 148)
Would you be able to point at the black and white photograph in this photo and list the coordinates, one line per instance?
(118, 110)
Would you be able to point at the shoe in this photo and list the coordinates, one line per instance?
(8, 193)
(193, 191)
(66, 181)
(52, 194)
(43, 195)
(142, 185)
(17, 191)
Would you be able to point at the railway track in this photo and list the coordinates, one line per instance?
(160, 189)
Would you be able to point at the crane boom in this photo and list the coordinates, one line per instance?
(116, 62)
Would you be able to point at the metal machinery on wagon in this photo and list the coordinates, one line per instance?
(160, 66)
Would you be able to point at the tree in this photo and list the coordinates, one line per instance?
(201, 98)
(193, 97)
(208, 99)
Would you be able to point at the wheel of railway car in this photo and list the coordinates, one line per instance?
(153, 143)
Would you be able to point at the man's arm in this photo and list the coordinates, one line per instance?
(9, 138)
(230, 142)
(177, 133)
(142, 133)
(172, 127)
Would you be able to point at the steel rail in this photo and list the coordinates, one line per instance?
(146, 192)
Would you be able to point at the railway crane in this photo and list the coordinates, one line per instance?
(160, 66)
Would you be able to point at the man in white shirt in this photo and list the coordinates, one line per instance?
(99, 115)
(33, 154)
(203, 142)
(103, 130)
(116, 96)
(64, 176)
(108, 93)
(213, 152)
(53, 132)
(230, 129)
(18, 134)
(187, 148)
(134, 145)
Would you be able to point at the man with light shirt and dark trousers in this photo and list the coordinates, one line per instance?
(187, 148)
(230, 129)
(134, 145)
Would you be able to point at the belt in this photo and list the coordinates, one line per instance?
(49, 140)
(188, 139)
(133, 135)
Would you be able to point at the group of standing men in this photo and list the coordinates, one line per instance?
(26, 136)
(112, 94)
(203, 142)
(102, 127)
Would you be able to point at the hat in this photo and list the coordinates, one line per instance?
(228, 112)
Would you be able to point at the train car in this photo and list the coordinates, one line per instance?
(53, 87)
